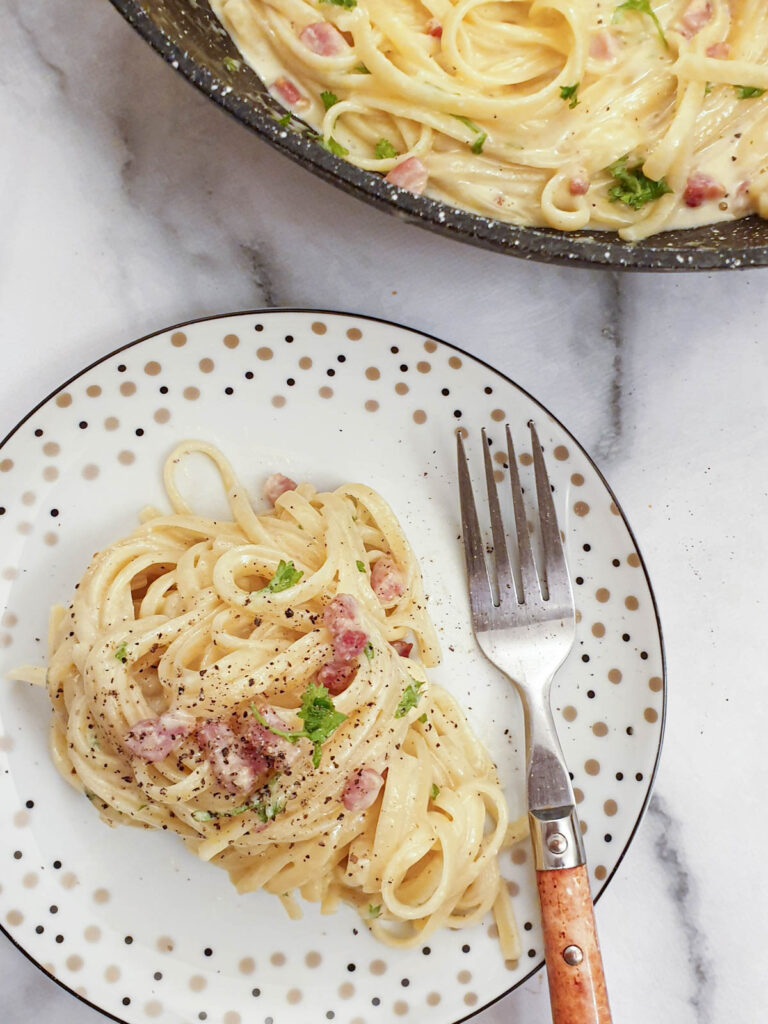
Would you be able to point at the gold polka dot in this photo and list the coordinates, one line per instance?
(313, 959)
(231, 340)
(519, 855)
(600, 872)
(165, 944)
(162, 415)
(377, 967)
(655, 683)
(112, 974)
(111, 423)
(419, 416)
(598, 629)
(92, 933)
(93, 391)
(293, 996)
(423, 366)
(277, 959)
(371, 405)
(583, 826)
(591, 766)
(346, 991)
(325, 392)
(51, 539)
(454, 362)
(49, 448)
(81, 990)
(430, 346)
(64, 399)
(231, 1017)
(74, 962)
(6, 743)
(6, 465)
(602, 594)
(49, 968)
(513, 888)
(613, 508)
(90, 472)
(577, 479)
(206, 365)
(498, 415)
(581, 508)
(631, 603)
(318, 327)
(569, 713)
(197, 983)
(21, 819)
(462, 432)
(400, 1008)
(354, 334)
(614, 675)
(152, 368)
(153, 1008)
(433, 998)
(127, 388)
(500, 457)
(178, 339)
(610, 807)
(305, 363)
(24, 528)
(493, 931)
(560, 452)
(278, 401)
(30, 880)
(470, 998)
(525, 459)
(14, 917)
(372, 373)
(9, 619)
(10, 573)
(600, 729)
(69, 880)
(27, 498)
(401, 388)
(498, 475)
(102, 896)
(633, 560)
(50, 473)
(125, 457)
(578, 794)
(6, 640)
(247, 965)
(650, 714)
(464, 977)
(191, 393)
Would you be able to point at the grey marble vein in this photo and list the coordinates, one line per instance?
(261, 273)
(610, 440)
(35, 41)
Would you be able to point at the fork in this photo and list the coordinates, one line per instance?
(527, 632)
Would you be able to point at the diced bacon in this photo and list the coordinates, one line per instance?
(152, 739)
(694, 18)
(578, 185)
(341, 619)
(336, 676)
(604, 45)
(288, 92)
(324, 39)
(276, 485)
(434, 28)
(411, 175)
(701, 187)
(361, 789)
(387, 579)
(403, 648)
(265, 745)
(232, 761)
(741, 202)
(720, 50)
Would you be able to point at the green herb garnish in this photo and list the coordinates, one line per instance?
(284, 121)
(707, 88)
(232, 64)
(477, 145)
(748, 92)
(360, 565)
(361, 69)
(348, 4)
(320, 719)
(286, 575)
(329, 99)
(632, 187)
(642, 7)
(369, 651)
(143, 807)
(374, 911)
(334, 147)
(434, 792)
(410, 698)
(423, 718)
(569, 92)
(122, 652)
(385, 150)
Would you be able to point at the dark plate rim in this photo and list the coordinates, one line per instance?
(522, 390)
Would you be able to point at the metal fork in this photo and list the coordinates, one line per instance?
(527, 633)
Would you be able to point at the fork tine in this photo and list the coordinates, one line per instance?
(555, 570)
(480, 595)
(504, 577)
(530, 580)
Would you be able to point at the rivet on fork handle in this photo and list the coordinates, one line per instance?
(556, 839)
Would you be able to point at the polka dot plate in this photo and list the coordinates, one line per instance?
(129, 920)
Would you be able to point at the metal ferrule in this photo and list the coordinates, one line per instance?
(556, 838)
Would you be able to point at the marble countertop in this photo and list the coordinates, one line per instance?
(129, 202)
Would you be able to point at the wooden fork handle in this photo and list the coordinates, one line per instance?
(574, 964)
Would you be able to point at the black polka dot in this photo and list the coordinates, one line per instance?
(405, 982)
(122, 368)
(53, 909)
(639, 776)
(158, 975)
(351, 967)
(39, 929)
(457, 413)
(465, 948)
(394, 350)
(163, 390)
(17, 854)
(426, 951)
(30, 804)
(590, 694)
(608, 837)
(289, 338)
(54, 512)
(330, 1015)
(644, 655)
(488, 390)
(527, 926)
(2, 510)
(404, 367)
(57, 863)
(83, 424)
(445, 391)
(208, 951)
(139, 432)
(256, 992)
(202, 1015)
(579, 580)
(375, 1001)
(259, 327)
(38, 432)
(59, 939)
(229, 391)
(341, 359)
(630, 731)
(531, 953)
(586, 547)
(249, 374)
(615, 562)
(330, 372)
(619, 776)
(128, 940)
(290, 382)
(126, 1000)
(625, 637)
(585, 657)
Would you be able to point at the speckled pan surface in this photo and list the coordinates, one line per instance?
(190, 39)
(129, 920)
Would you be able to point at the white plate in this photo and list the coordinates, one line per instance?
(130, 921)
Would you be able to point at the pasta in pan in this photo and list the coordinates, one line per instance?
(250, 685)
(631, 115)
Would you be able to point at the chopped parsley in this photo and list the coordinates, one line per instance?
(423, 718)
(361, 69)
(349, 4)
(284, 121)
(122, 652)
(385, 151)
(320, 719)
(369, 651)
(286, 575)
(748, 92)
(410, 698)
(265, 810)
(642, 7)
(232, 64)
(707, 88)
(329, 99)
(374, 911)
(632, 187)
(570, 92)
(434, 792)
(334, 147)
(477, 145)
(360, 565)
(143, 806)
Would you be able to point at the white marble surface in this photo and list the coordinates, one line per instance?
(129, 202)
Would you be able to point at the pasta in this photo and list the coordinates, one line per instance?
(631, 115)
(248, 685)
